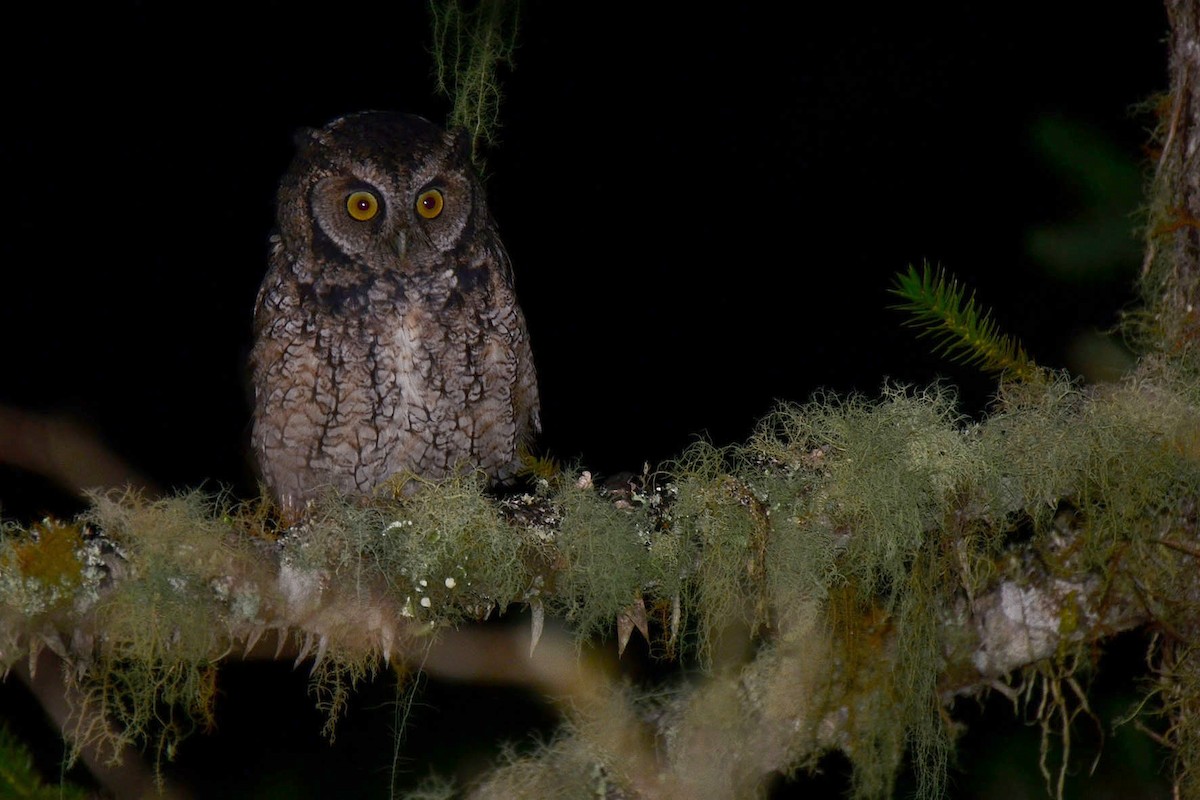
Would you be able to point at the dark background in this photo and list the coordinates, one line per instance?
(705, 208)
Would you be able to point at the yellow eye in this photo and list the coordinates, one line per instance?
(362, 205)
(430, 203)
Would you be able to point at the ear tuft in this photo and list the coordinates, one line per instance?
(306, 137)
(460, 143)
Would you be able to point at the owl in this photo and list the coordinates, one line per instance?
(387, 336)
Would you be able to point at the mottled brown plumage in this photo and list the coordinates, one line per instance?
(388, 338)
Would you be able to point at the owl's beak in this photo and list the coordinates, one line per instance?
(401, 243)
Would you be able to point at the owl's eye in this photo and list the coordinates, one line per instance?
(362, 205)
(430, 203)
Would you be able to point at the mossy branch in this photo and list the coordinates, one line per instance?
(961, 329)
(849, 567)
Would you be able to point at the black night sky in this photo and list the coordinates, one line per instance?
(704, 205)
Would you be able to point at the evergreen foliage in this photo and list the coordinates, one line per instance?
(961, 330)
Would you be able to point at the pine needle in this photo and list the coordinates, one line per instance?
(962, 331)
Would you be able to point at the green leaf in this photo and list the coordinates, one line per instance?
(19, 778)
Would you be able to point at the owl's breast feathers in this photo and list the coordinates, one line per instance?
(361, 378)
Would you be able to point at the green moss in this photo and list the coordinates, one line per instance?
(50, 554)
(19, 780)
(40, 569)
(960, 328)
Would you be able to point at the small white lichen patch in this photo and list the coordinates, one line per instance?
(1026, 621)
(301, 588)
(397, 525)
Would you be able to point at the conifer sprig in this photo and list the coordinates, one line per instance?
(962, 331)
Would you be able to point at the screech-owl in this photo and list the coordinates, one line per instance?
(388, 338)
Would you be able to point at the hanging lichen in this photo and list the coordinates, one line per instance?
(470, 44)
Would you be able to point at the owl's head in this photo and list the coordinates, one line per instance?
(382, 191)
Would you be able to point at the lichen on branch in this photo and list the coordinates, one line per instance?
(886, 534)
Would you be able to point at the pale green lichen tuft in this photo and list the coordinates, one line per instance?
(861, 519)
(470, 44)
(604, 558)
